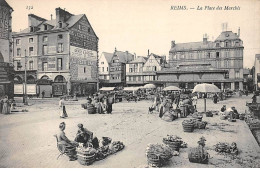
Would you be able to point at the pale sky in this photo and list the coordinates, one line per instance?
(139, 25)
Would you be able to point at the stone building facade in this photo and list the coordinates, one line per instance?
(6, 67)
(256, 79)
(62, 51)
(225, 52)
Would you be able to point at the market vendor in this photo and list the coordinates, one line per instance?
(223, 109)
(85, 136)
(68, 144)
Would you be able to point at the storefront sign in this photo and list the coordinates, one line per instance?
(83, 53)
(4, 22)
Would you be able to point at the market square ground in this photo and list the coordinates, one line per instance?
(26, 139)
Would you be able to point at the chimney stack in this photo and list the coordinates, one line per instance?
(148, 52)
(51, 16)
(238, 34)
(173, 44)
(205, 38)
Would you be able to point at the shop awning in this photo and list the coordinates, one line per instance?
(107, 88)
(131, 88)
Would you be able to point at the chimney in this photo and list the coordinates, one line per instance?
(205, 39)
(51, 16)
(62, 16)
(238, 33)
(173, 44)
(148, 52)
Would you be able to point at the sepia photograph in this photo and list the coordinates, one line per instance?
(129, 84)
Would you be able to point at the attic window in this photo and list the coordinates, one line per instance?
(60, 24)
(31, 29)
(79, 26)
(45, 27)
(89, 30)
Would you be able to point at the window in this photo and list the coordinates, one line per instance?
(18, 51)
(154, 68)
(45, 49)
(44, 66)
(107, 68)
(237, 74)
(30, 51)
(60, 36)
(227, 75)
(60, 24)
(139, 78)
(103, 69)
(80, 27)
(134, 78)
(45, 26)
(18, 41)
(217, 44)
(226, 44)
(60, 47)
(59, 64)
(45, 38)
(84, 69)
(30, 65)
(102, 62)
(217, 54)
(30, 40)
(208, 54)
(89, 30)
(31, 29)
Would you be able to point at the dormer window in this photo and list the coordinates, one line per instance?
(79, 26)
(31, 29)
(45, 26)
(60, 24)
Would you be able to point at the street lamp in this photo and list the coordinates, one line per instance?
(25, 101)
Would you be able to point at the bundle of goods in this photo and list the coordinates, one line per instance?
(242, 116)
(157, 154)
(197, 116)
(200, 124)
(223, 116)
(209, 114)
(91, 109)
(188, 125)
(236, 116)
(254, 124)
(86, 156)
(174, 142)
(116, 146)
(106, 141)
(199, 154)
(102, 152)
(226, 148)
(84, 105)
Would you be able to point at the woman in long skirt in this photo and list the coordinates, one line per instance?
(5, 109)
(63, 113)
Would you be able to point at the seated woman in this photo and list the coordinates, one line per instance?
(85, 136)
(70, 146)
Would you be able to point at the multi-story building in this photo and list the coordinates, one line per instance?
(153, 64)
(225, 52)
(256, 74)
(117, 67)
(6, 67)
(61, 53)
(103, 63)
(134, 71)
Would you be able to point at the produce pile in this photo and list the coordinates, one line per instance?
(174, 142)
(188, 125)
(88, 155)
(222, 147)
(254, 124)
(158, 154)
(200, 124)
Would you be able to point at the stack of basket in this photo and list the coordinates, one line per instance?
(174, 142)
(86, 156)
(188, 125)
(198, 155)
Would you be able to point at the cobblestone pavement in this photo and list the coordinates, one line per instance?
(26, 138)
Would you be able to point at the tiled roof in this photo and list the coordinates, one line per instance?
(124, 57)
(73, 19)
(227, 35)
(108, 56)
(139, 59)
(192, 46)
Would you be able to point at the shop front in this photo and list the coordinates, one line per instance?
(44, 85)
(83, 87)
(59, 86)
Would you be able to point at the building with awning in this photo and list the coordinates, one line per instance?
(131, 88)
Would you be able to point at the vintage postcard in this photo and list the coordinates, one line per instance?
(129, 84)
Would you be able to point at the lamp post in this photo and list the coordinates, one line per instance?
(25, 101)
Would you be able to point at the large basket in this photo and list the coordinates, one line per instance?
(188, 126)
(154, 160)
(209, 114)
(86, 160)
(196, 156)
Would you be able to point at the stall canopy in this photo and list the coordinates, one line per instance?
(149, 86)
(107, 89)
(171, 88)
(131, 88)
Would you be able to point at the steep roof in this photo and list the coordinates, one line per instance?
(124, 57)
(227, 35)
(4, 3)
(108, 56)
(139, 59)
(160, 59)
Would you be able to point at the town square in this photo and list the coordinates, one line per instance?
(98, 84)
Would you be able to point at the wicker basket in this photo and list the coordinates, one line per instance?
(154, 160)
(196, 156)
(188, 125)
(86, 160)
